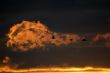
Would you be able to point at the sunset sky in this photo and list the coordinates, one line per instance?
(84, 17)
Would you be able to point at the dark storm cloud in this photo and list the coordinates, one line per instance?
(75, 16)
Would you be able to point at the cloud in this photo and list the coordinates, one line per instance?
(105, 37)
(6, 60)
(30, 35)
(33, 35)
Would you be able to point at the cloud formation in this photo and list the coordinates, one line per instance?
(105, 37)
(33, 35)
(29, 35)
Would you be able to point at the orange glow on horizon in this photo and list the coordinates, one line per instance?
(56, 70)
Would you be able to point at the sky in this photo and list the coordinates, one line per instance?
(66, 16)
